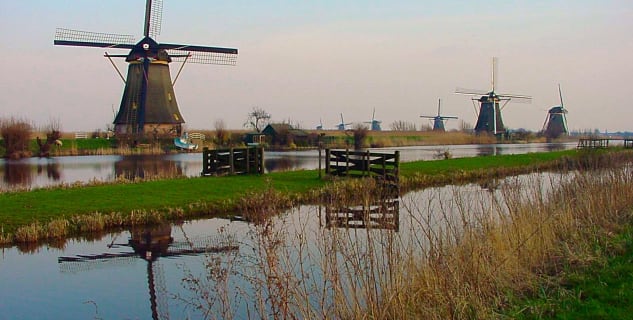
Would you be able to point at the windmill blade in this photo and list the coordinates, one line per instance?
(203, 57)
(439, 103)
(560, 94)
(447, 117)
(429, 117)
(545, 123)
(517, 99)
(471, 92)
(514, 96)
(495, 72)
(78, 38)
(153, 18)
(201, 54)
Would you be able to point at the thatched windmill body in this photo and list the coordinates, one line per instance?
(438, 120)
(555, 124)
(148, 104)
(489, 119)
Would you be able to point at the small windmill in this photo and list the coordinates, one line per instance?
(375, 124)
(555, 123)
(438, 120)
(489, 118)
(148, 103)
(320, 126)
(342, 126)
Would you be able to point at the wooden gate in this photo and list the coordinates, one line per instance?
(362, 164)
(231, 161)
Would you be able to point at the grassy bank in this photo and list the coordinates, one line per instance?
(75, 208)
(602, 288)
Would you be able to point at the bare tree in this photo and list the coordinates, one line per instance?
(360, 135)
(257, 119)
(222, 136)
(53, 134)
(465, 126)
(401, 125)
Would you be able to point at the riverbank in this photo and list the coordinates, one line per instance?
(59, 212)
(71, 146)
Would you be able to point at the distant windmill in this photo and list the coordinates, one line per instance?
(148, 103)
(342, 126)
(375, 124)
(489, 117)
(438, 120)
(320, 126)
(555, 123)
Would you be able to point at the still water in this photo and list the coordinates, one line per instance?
(140, 273)
(41, 172)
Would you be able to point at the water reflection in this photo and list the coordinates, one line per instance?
(147, 166)
(381, 214)
(17, 174)
(30, 172)
(148, 243)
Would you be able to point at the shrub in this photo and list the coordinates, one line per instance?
(16, 134)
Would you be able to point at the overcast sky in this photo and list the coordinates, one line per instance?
(305, 61)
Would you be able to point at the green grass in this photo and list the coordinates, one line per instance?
(602, 290)
(22, 208)
(485, 162)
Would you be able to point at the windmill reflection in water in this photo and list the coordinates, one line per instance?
(149, 243)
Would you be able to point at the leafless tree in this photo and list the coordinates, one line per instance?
(257, 119)
(401, 125)
(221, 134)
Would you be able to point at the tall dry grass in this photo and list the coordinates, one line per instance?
(462, 255)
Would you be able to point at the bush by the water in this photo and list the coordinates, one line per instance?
(16, 134)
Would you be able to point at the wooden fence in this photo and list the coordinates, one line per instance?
(593, 143)
(363, 164)
(231, 161)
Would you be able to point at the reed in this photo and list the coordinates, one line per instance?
(462, 256)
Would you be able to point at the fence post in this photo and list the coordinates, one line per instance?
(260, 159)
(319, 162)
(397, 166)
(231, 164)
(346, 162)
(327, 161)
(205, 161)
(248, 160)
(367, 164)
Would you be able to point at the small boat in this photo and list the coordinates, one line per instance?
(183, 142)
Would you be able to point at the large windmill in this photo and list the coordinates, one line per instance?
(375, 124)
(148, 104)
(555, 123)
(489, 118)
(438, 120)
